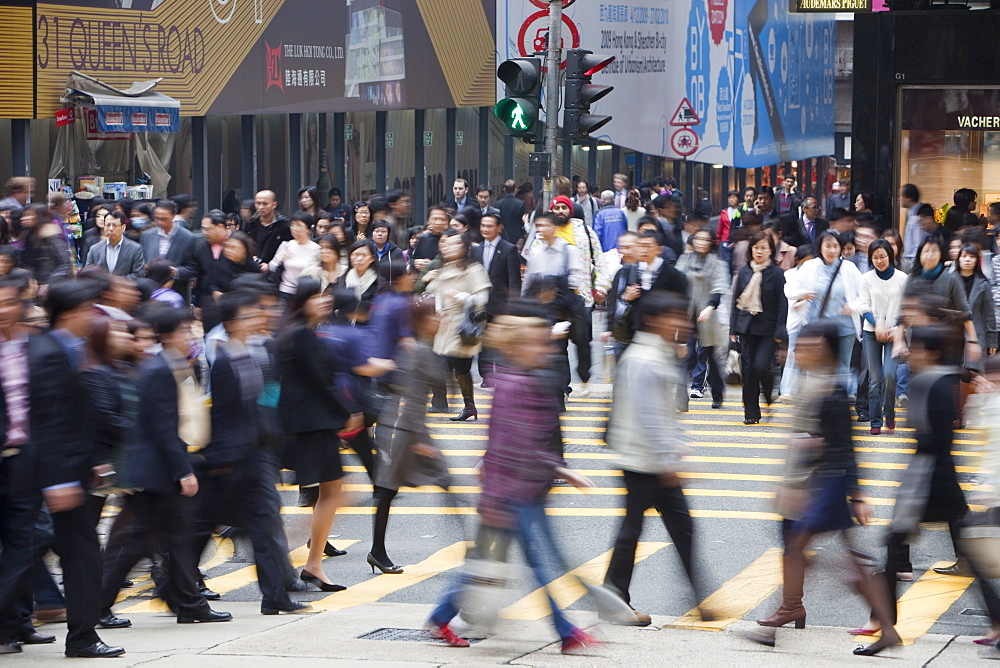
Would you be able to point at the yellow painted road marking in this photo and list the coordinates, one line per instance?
(567, 590)
(241, 577)
(224, 550)
(737, 597)
(381, 586)
(923, 604)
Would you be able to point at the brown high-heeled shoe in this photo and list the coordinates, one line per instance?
(784, 615)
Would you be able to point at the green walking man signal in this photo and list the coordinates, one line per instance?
(522, 78)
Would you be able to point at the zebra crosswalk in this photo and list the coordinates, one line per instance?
(730, 479)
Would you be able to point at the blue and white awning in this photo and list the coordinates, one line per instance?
(136, 109)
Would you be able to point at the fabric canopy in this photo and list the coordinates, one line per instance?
(138, 108)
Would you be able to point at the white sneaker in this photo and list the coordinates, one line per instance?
(585, 390)
(697, 394)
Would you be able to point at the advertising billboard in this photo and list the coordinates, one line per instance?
(274, 56)
(743, 83)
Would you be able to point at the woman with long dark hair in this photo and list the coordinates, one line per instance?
(362, 218)
(314, 410)
(308, 198)
(460, 283)
(961, 214)
(362, 277)
(757, 322)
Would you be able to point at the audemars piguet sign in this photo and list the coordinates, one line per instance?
(831, 5)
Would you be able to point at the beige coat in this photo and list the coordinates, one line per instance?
(470, 283)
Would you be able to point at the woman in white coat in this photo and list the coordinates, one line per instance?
(831, 286)
(797, 312)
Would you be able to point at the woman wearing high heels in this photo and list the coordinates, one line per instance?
(314, 409)
(459, 283)
(820, 492)
(409, 458)
(758, 321)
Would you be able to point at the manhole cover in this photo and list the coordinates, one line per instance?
(973, 612)
(406, 635)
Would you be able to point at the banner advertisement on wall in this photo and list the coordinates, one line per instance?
(273, 56)
(743, 83)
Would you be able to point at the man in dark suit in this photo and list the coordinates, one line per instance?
(18, 498)
(160, 467)
(52, 462)
(483, 196)
(625, 289)
(121, 256)
(236, 483)
(204, 262)
(512, 214)
(460, 199)
(810, 225)
(503, 265)
(167, 240)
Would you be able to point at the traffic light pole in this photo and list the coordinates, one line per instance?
(552, 60)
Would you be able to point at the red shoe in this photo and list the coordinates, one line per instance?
(863, 632)
(890, 427)
(445, 633)
(876, 431)
(578, 641)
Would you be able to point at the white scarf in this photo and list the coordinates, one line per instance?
(749, 299)
(360, 283)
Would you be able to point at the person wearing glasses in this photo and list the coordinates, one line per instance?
(810, 224)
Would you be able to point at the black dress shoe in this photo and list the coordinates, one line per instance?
(328, 550)
(212, 616)
(716, 404)
(35, 638)
(126, 584)
(295, 608)
(96, 651)
(110, 621)
(10, 648)
(955, 569)
(206, 592)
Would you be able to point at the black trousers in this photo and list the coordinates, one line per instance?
(158, 517)
(246, 497)
(756, 353)
(75, 539)
(645, 490)
(582, 335)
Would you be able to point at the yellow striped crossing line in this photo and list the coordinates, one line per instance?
(566, 589)
(737, 597)
(925, 601)
(224, 551)
(381, 586)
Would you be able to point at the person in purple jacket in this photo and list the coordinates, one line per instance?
(522, 457)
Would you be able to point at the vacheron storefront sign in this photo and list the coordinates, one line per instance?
(831, 5)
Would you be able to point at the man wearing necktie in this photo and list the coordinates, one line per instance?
(620, 183)
(500, 259)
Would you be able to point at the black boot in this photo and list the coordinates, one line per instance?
(465, 385)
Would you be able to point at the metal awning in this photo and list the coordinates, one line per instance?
(137, 108)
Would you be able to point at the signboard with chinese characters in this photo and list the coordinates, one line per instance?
(270, 56)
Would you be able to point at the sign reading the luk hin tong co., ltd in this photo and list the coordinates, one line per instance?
(831, 5)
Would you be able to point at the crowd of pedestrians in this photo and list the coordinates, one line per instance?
(178, 365)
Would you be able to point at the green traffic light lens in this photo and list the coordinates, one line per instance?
(517, 114)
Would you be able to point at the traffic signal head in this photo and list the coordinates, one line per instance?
(522, 78)
(580, 93)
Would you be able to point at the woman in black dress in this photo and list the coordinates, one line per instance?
(314, 409)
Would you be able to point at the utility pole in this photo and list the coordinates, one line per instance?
(552, 60)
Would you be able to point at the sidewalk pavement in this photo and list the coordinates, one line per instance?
(330, 639)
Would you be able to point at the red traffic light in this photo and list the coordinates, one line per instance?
(593, 64)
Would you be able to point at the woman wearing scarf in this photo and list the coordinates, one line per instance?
(757, 321)
(459, 283)
(880, 297)
(362, 277)
(928, 276)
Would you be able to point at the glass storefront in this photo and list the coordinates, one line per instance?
(950, 139)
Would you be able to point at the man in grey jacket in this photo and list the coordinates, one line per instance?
(644, 431)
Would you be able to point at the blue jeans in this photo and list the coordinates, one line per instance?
(881, 379)
(902, 378)
(844, 361)
(535, 535)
